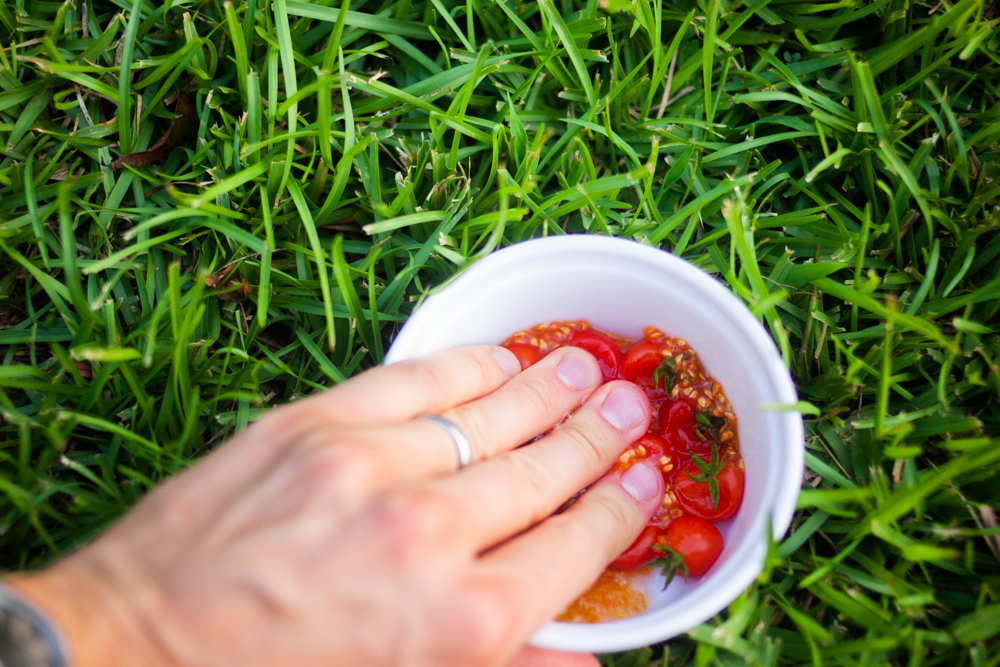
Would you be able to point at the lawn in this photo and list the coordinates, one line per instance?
(298, 175)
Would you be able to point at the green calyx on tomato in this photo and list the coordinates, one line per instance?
(670, 563)
(710, 425)
(666, 371)
(708, 472)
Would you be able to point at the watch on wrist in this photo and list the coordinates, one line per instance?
(27, 637)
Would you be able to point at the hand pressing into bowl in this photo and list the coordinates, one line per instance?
(340, 530)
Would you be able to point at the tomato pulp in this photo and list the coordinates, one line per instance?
(693, 439)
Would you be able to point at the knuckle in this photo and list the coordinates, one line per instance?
(545, 394)
(175, 503)
(335, 466)
(291, 419)
(431, 377)
(572, 533)
(482, 366)
(416, 518)
(592, 442)
(611, 523)
(622, 514)
(536, 479)
(462, 372)
(581, 540)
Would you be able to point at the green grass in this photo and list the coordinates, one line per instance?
(836, 164)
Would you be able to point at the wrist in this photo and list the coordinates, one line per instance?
(97, 626)
(27, 637)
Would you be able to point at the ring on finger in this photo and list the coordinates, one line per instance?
(462, 446)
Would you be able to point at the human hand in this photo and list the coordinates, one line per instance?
(336, 530)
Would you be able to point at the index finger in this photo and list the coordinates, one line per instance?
(403, 391)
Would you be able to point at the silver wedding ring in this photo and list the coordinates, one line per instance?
(462, 446)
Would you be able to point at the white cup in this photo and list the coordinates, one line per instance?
(622, 287)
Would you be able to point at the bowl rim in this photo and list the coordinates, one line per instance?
(746, 562)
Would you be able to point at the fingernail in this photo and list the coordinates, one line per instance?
(640, 482)
(577, 372)
(623, 409)
(508, 362)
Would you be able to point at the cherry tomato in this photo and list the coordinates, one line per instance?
(641, 361)
(639, 365)
(609, 357)
(528, 355)
(640, 552)
(696, 498)
(677, 413)
(696, 540)
(677, 427)
(656, 447)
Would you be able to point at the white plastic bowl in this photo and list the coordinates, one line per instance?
(622, 286)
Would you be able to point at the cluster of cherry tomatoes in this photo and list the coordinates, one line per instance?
(703, 472)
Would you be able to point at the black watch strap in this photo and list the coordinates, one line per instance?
(27, 638)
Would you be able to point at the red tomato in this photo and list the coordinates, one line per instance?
(639, 365)
(677, 426)
(640, 552)
(656, 446)
(528, 355)
(609, 357)
(641, 361)
(696, 540)
(677, 413)
(696, 498)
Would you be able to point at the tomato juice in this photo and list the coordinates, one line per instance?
(693, 438)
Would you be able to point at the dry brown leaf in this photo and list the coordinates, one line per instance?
(183, 130)
(83, 368)
(221, 276)
(233, 288)
(237, 295)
